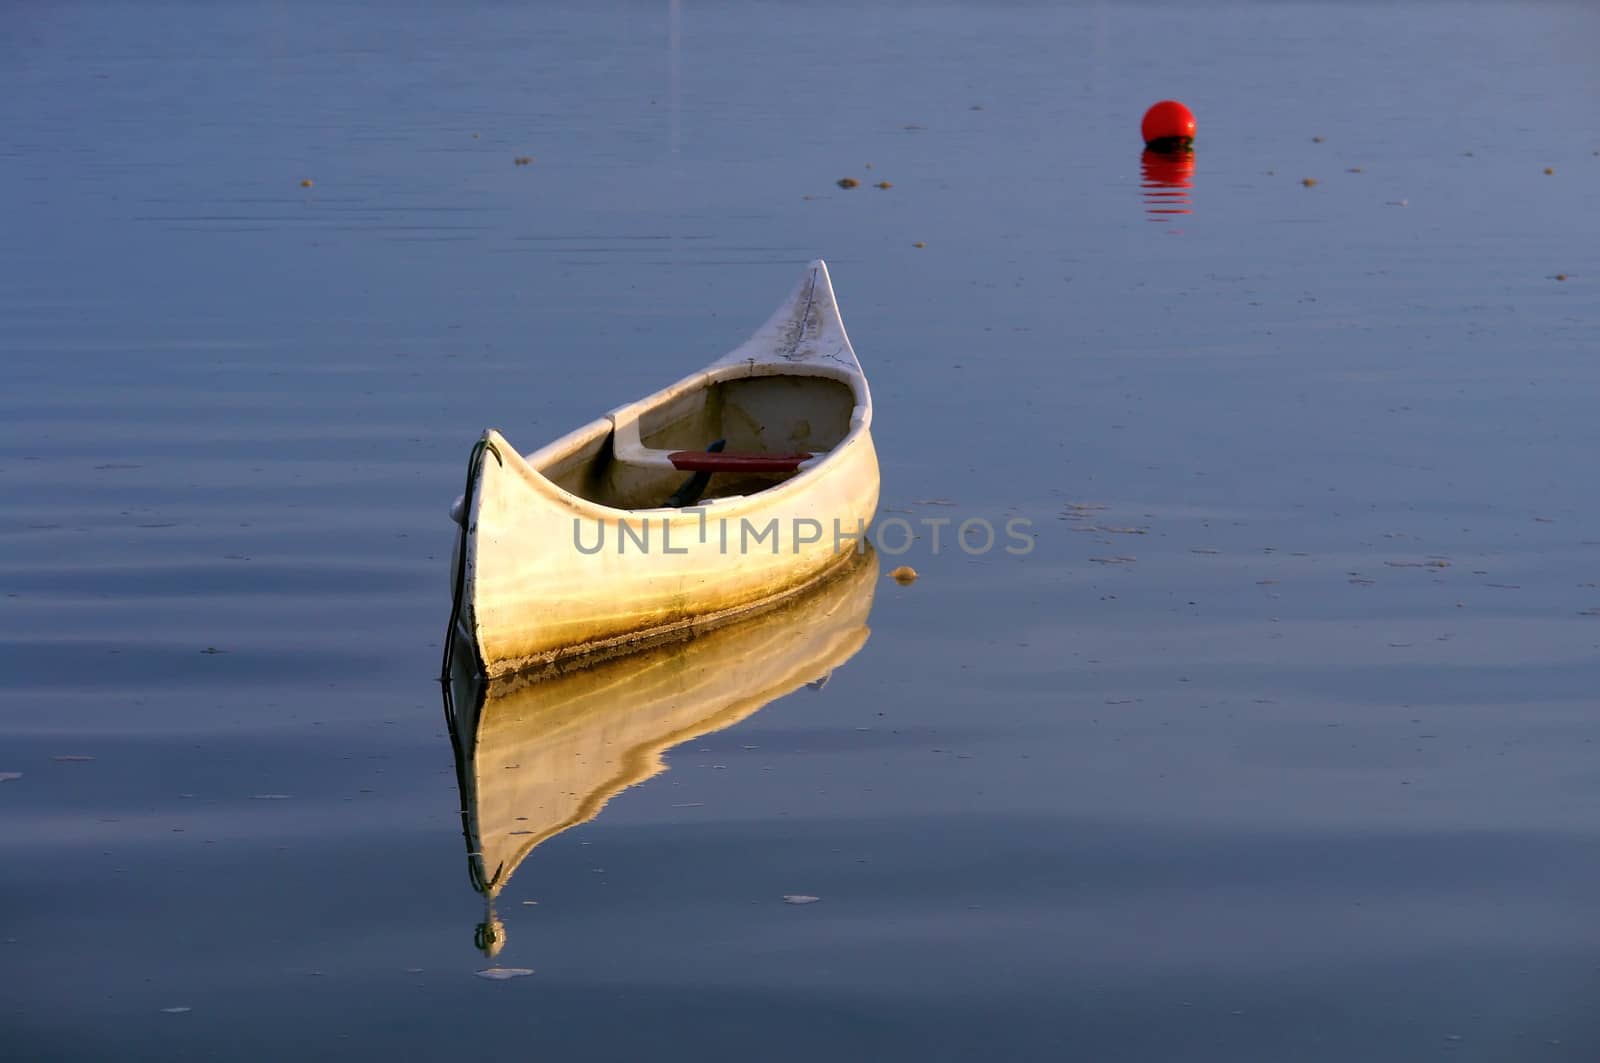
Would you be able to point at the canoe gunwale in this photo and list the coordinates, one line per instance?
(585, 435)
(773, 350)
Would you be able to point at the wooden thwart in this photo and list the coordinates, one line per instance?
(707, 461)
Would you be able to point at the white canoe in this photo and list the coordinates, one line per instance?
(581, 545)
(535, 757)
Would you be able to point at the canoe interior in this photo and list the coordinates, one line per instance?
(776, 414)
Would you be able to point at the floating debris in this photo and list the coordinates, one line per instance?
(800, 898)
(1355, 169)
(1317, 140)
(212, 650)
(884, 185)
(522, 160)
(270, 797)
(500, 974)
(905, 575)
(72, 758)
(848, 182)
(1121, 559)
(1435, 563)
(175, 1011)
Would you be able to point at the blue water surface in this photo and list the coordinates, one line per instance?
(1280, 744)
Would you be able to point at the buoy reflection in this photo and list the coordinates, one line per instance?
(1168, 176)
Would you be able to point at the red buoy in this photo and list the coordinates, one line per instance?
(1169, 125)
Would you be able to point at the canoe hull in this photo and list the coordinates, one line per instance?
(578, 546)
(551, 577)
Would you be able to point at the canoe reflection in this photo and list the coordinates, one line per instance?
(536, 756)
(1168, 176)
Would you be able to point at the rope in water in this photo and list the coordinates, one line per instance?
(459, 584)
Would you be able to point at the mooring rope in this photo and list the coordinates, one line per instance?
(459, 584)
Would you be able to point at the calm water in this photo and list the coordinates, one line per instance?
(1281, 745)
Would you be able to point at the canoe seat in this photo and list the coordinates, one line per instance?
(710, 461)
(628, 449)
